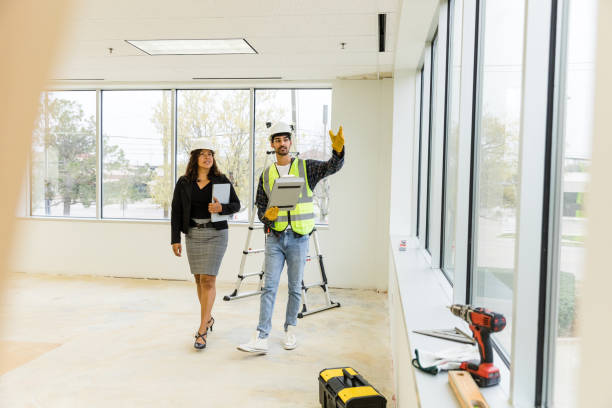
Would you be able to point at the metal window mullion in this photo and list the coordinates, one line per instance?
(467, 103)
(424, 146)
(428, 190)
(556, 199)
(437, 150)
(472, 261)
(532, 213)
(173, 137)
(252, 182)
(28, 190)
(31, 160)
(550, 226)
(416, 151)
(451, 4)
(99, 158)
(46, 151)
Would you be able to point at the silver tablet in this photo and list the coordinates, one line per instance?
(286, 192)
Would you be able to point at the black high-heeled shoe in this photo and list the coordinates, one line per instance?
(197, 345)
(210, 324)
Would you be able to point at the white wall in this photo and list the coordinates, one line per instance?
(354, 246)
(402, 185)
(359, 230)
(595, 300)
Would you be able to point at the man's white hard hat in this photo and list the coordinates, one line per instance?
(199, 144)
(280, 128)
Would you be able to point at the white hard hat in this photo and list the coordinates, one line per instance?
(280, 128)
(199, 144)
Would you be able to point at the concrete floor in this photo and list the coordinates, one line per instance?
(108, 342)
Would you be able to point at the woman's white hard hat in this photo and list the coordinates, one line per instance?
(280, 128)
(199, 144)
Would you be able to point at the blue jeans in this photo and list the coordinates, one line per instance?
(285, 247)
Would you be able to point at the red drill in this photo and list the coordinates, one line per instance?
(482, 323)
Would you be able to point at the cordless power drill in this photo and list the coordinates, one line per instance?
(482, 322)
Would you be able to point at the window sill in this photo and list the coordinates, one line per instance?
(320, 227)
(424, 295)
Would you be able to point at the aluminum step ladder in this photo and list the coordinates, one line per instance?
(236, 294)
(329, 304)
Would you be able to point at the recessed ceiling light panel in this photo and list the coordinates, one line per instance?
(194, 47)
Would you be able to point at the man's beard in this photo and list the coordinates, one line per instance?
(282, 152)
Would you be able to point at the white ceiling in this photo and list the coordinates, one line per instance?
(417, 23)
(295, 39)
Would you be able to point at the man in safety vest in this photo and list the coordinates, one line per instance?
(288, 232)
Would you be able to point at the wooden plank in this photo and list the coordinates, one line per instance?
(466, 390)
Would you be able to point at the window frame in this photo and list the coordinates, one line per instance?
(451, 5)
(424, 164)
(507, 357)
(100, 143)
(253, 141)
(173, 145)
(430, 140)
(535, 296)
(550, 279)
(175, 119)
(421, 73)
(30, 167)
(476, 108)
(533, 252)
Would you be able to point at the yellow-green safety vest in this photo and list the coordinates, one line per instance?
(302, 218)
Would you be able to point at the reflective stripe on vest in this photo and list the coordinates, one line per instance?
(302, 218)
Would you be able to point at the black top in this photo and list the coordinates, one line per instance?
(200, 198)
(181, 206)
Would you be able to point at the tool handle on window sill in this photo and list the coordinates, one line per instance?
(466, 390)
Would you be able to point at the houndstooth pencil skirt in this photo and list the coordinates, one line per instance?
(205, 249)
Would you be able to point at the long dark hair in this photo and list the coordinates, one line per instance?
(191, 173)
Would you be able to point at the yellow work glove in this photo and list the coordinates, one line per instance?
(271, 213)
(337, 140)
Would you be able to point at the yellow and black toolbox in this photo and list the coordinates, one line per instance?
(344, 388)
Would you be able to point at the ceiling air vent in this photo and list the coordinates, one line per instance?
(382, 31)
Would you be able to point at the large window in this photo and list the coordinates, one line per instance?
(310, 111)
(529, 147)
(146, 139)
(577, 129)
(64, 155)
(136, 154)
(497, 146)
(430, 147)
(451, 136)
(221, 117)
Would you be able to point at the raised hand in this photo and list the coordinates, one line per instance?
(215, 206)
(271, 213)
(337, 140)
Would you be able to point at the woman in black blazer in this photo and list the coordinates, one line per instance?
(206, 241)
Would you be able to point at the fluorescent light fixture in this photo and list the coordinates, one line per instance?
(234, 78)
(194, 47)
(77, 79)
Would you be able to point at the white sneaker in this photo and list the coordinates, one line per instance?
(289, 342)
(255, 345)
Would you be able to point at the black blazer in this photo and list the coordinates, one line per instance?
(181, 206)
